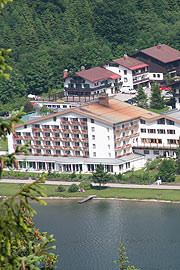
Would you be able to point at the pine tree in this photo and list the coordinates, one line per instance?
(157, 101)
(141, 98)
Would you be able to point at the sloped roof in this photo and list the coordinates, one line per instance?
(97, 74)
(130, 63)
(163, 53)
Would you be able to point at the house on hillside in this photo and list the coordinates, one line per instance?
(162, 59)
(94, 81)
(133, 72)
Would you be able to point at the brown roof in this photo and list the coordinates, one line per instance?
(117, 112)
(97, 74)
(163, 53)
(130, 63)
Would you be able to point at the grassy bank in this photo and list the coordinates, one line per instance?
(169, 195)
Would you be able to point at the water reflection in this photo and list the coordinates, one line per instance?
(88, 235)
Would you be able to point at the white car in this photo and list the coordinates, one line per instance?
(128, 91)
(167, 95)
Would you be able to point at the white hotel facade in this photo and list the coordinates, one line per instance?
(111, 132)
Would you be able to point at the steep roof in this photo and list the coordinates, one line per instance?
(130, 63)
(97, 74)
(163, 53)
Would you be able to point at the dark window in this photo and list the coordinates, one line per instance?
(54, 118)
(92, 120)
(142, 121)
(161, 121)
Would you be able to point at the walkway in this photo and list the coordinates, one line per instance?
(48, 182)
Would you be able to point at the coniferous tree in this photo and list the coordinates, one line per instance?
(157, 101)
(141, 98)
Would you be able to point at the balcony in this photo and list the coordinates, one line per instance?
(36, 129)
(79, 89)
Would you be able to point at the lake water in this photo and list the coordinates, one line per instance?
(88, 235)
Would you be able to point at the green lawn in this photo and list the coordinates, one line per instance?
(170, 195)
(158, 111)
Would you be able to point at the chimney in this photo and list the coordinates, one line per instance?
(104, 100)
(82, 67)
(159, 46)
(65, 73)
(125, 56)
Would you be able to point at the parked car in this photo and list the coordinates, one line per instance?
(167, 95)
(126, 90)
(131, 101)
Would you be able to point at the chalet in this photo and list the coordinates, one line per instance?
(161, 59)
(92, 81)
(133, 72)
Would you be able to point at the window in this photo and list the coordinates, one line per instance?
(57, 143)
(156, 152)
(92, 120)
(146, 152)
(75, 127)
(86, 144)
(28, 134)
(170, 131)
(93, 128)
(38, 151)
(47, 134)
(65, 127)
(76, 143)
(37, 134)
(108, 138)
(94, 146)
(143, 130)
(45, 126)
(125, 79)
(66, 135)
(107, 129)
(151, 131)
(154, 75)
(169, 141)
(77, 153)
(18, 133)
(58, 152)
(38, 142)
(48, 152)
(37, 126)
(94, 154)
(161, 121)
(54, 118)
(57, 127)
(65, 119)
(109, 146)
(86, 136)
(75, 136)
(109, 154)
(125, 72)
(18, 141)
(142, 121)
(93, 137)
(48, 143)
(127, 165)
(161, 131)
(158, 75)
(56, 135)
(25, 126)
(169, 122)
(67, 143)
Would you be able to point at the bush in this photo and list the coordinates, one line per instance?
(85, 185)
(73, 188)
(61, 188)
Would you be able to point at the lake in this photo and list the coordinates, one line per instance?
(88, 235)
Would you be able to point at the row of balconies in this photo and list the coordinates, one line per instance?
(53, 138)
(119, 148)
(136, 126)
(56, 155)
(127, 137)
(82, 148)
(126, 154)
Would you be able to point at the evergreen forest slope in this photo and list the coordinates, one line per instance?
(47, 36)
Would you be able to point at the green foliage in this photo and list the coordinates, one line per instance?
(157, 101)
(167, 170)
(44, 110)
(100, 176)
(141, 98)
(85, 185)
(22, 246)
(61, 188)
(73, 188)
(123, 259)
(178, 158)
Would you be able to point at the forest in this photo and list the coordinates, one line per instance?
(47, 36)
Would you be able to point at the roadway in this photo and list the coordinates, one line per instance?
(52, 182)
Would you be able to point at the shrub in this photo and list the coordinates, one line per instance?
(73, 188)
(61, 188)
(85, 185)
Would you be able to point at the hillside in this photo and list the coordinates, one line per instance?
(48, 36)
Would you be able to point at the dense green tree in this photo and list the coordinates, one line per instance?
(167, 170)
(178, 158)
(100, 176)
(157, 101)
(141, 98)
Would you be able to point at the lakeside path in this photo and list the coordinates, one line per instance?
(48, 182)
